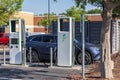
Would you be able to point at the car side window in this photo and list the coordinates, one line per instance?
(48, 39)
(38, 38)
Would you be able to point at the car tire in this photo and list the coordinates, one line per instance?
(34, 56)
(88, 58)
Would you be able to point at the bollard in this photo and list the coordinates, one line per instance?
(25, 55)
(51, 57)
(4, 54)
(30, 52)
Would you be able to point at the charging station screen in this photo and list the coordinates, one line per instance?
(14, 41)
(64, 24)
(13, 26)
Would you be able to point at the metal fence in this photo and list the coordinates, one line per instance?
(93, 33)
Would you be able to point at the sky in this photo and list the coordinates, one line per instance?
(41, 6)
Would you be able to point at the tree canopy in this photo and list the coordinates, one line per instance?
(98, 3)
(74, 12)
(94, 11)
(116, 11)
(44, 22)
(8, 8)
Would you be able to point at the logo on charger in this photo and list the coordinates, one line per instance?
(63, 37)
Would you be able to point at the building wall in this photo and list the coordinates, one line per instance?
(29, 21)
(7, 29)
(37, 19)
(94, 17)
(40, 29)
(27, 16)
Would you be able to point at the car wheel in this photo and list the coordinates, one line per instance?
(88, 58)
(34, 56)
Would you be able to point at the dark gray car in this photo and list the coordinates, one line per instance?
(42, 43)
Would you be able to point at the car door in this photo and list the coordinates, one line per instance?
(48, 42)
(36, 43)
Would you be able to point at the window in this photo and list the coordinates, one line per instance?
(48, 39)
(14, 41)
(37, 38)
(64, 24)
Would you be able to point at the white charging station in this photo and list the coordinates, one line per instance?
(65, 41)
(17, 40)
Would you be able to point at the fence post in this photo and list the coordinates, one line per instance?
(4, 54)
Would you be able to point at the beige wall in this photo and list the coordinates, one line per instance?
(7, 29)
(29, 22)
(27, 16)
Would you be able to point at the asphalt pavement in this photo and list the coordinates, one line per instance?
(10, 72)
(41, 71)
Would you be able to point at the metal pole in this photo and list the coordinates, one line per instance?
(4, 53)
(30, 55)
(83, 46)
(48, 15)
(51, 57)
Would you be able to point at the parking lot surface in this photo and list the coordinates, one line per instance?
(39, 71)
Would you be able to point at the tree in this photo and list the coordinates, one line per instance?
(94, 11)
(116, 11)
(74, 12)
(44, 22)
(8, 8)
(107, 6)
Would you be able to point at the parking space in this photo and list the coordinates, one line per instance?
(39, 71)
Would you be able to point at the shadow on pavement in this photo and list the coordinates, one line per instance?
(31, 73)
(12, 73)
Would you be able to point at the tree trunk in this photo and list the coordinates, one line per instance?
(106, 63)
